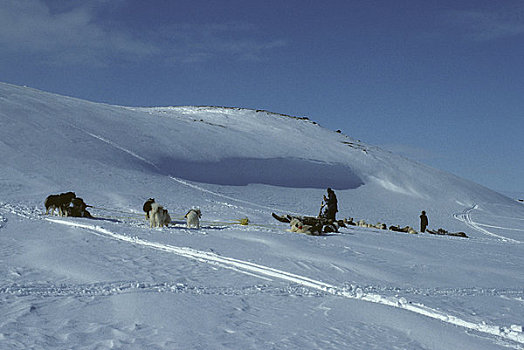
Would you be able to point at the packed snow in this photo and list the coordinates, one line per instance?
(115, 283)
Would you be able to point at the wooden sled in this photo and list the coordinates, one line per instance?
(322, 224)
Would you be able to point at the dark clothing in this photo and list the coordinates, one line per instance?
(332, 202)
(423, 222)
(332, 206)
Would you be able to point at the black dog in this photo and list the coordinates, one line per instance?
(60, 202)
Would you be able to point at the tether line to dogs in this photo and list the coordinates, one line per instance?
(116, 211)
(134, 215)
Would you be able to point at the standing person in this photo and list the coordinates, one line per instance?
(423, 221)
(332, 205)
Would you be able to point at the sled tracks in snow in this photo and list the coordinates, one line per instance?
(268, 273)
(2, 221)
(130, 287)
(465, 217)
(46, 290)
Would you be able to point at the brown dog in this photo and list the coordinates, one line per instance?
(60, 202)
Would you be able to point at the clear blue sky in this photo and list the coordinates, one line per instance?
(441, 82)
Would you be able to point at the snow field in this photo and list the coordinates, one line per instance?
(115, 283)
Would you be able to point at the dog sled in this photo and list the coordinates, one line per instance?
(318, 224)
(308, 220)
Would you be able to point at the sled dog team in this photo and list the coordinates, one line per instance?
(68, 204)
(158, 216)
(298, 226)
(59, 202)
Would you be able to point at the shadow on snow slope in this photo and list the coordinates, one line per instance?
(285, 172)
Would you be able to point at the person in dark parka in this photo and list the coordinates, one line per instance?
(332, 205)
(423, 221)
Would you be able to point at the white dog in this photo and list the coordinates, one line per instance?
(158, 216)
(193, 218)
(299, 227)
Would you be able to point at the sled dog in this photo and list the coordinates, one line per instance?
(193, 218)
(381, 226)
(406, 229)
(349, 222)
(147, 207)
(60, 202)
(299, 227)
(158, 216)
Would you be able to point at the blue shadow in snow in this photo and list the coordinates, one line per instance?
(284, 172)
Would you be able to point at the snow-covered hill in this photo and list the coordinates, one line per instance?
(115, 283)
